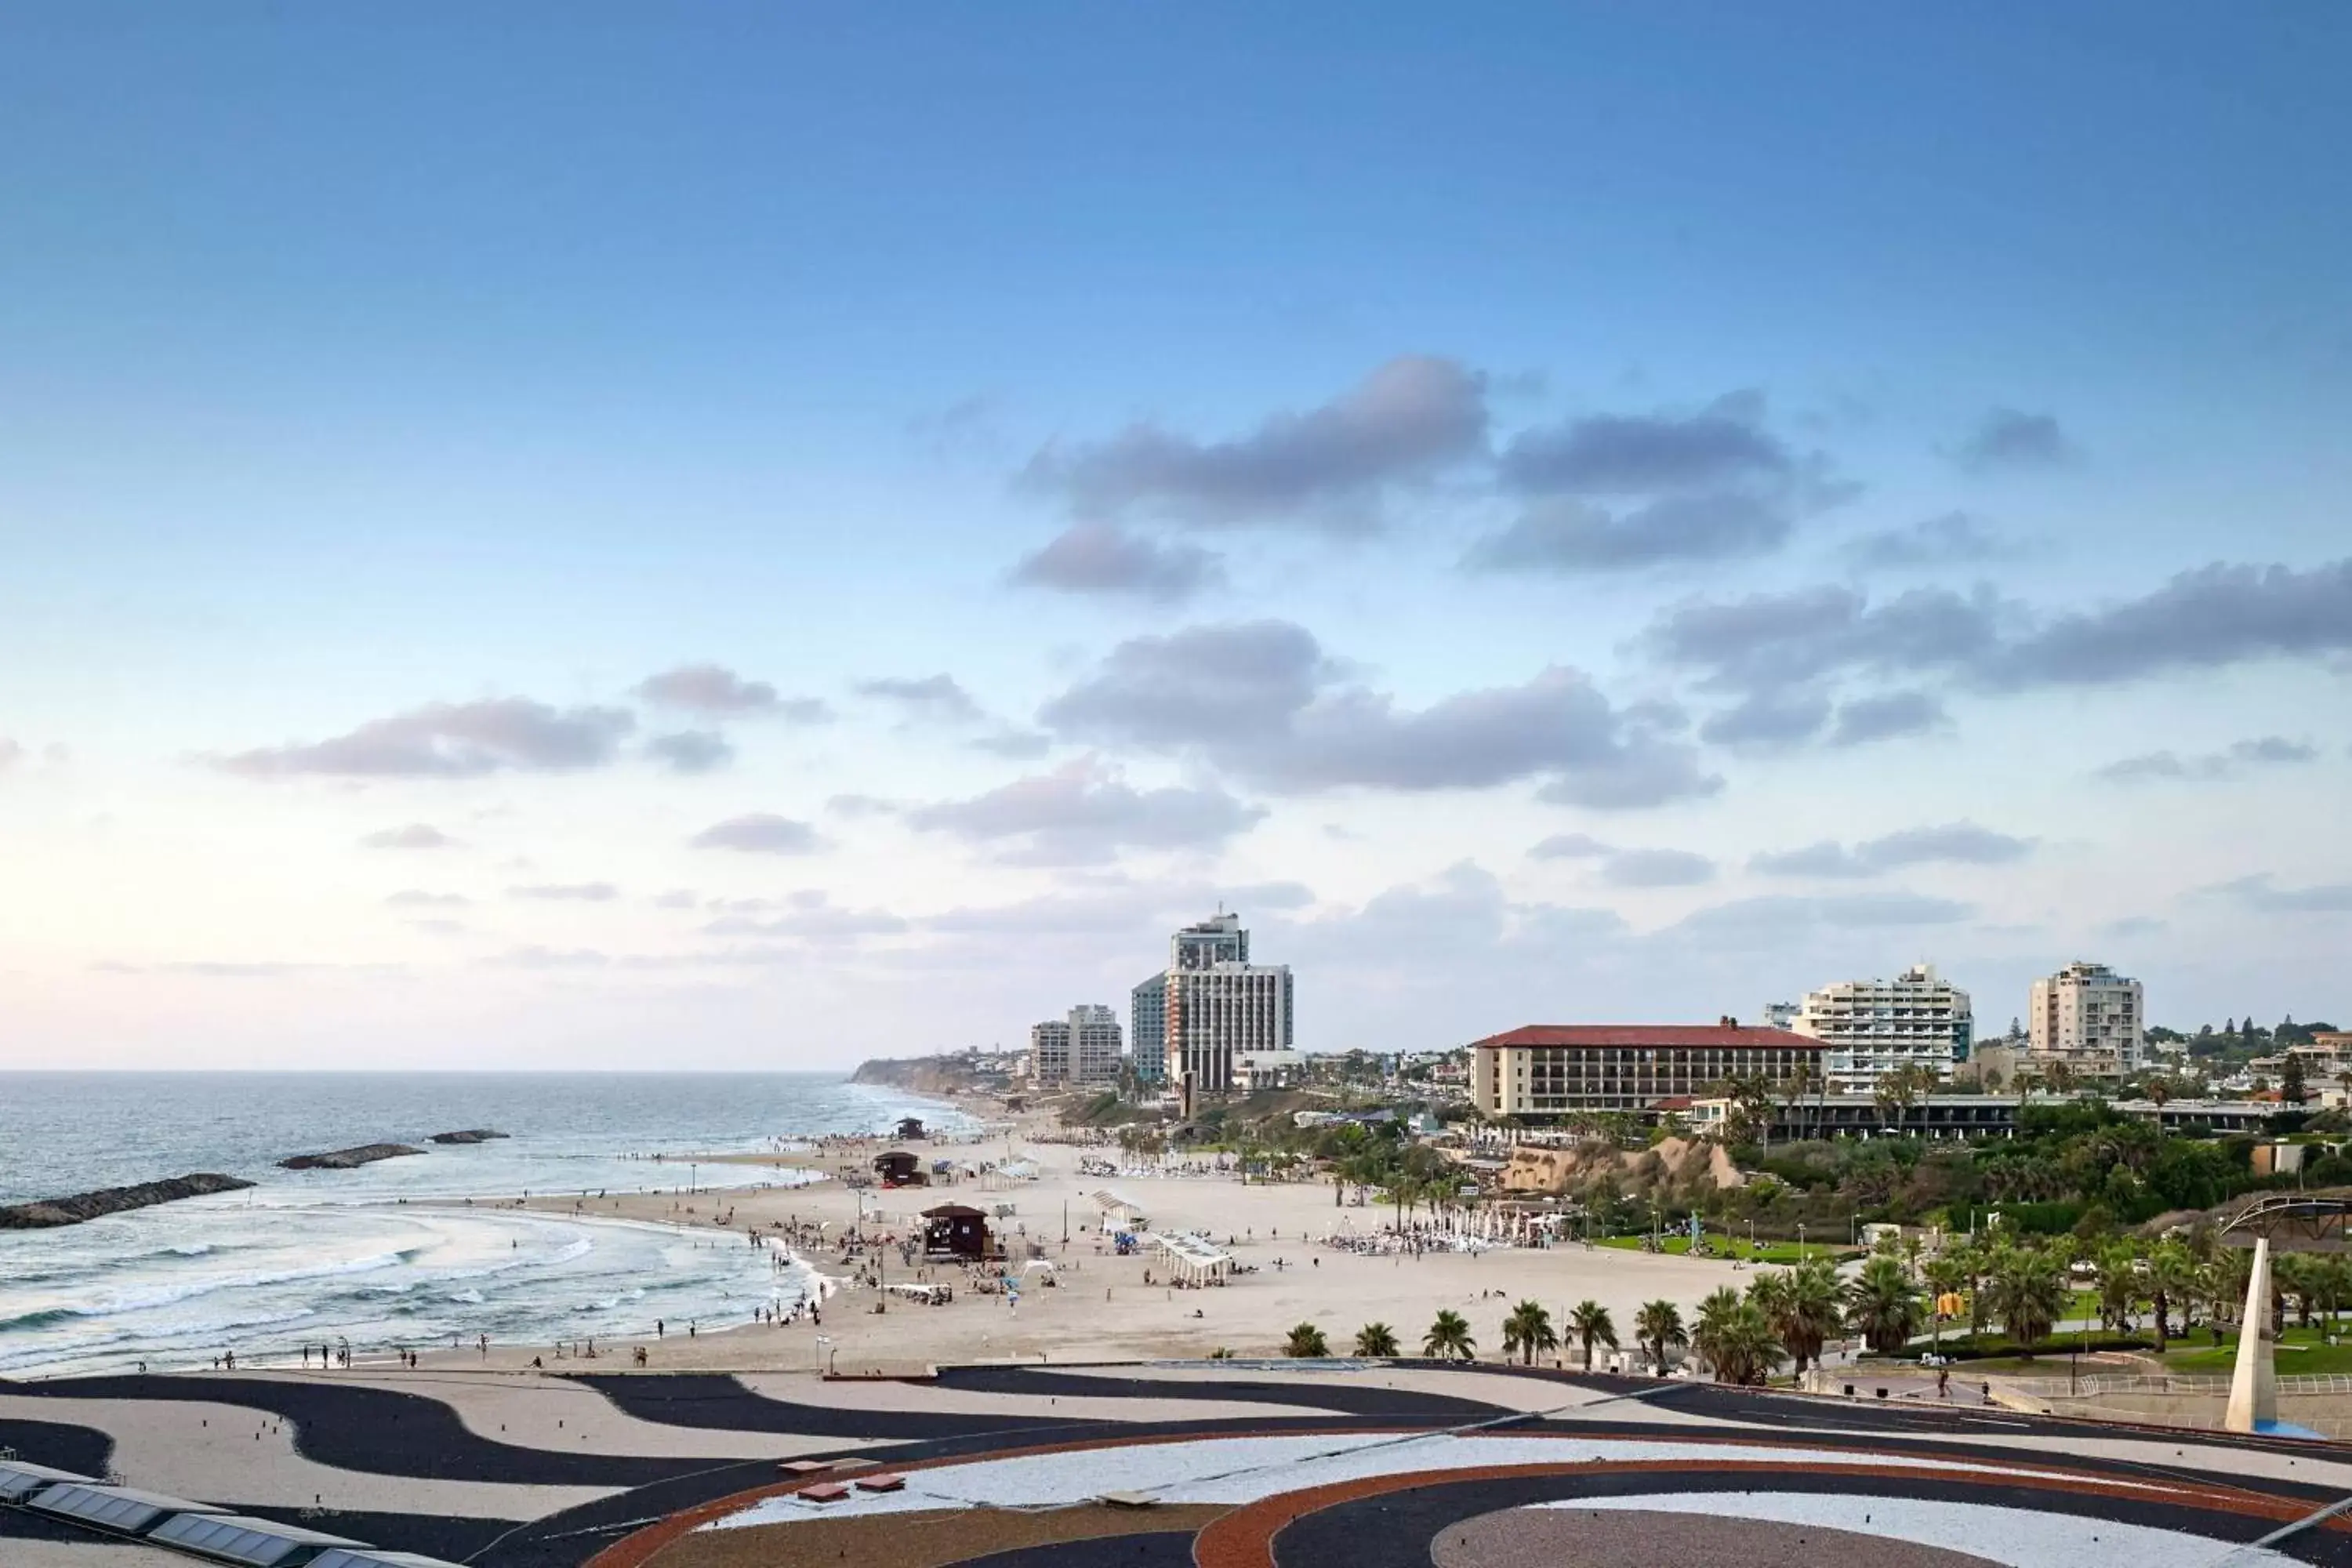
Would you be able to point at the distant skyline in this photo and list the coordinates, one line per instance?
(569, 536)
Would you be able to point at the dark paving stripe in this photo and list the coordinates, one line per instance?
(568, 1539)
(18, 1525)
(1394, 1529)
(1347, 1397)
(1160, 1549)
(379, 1432)
(82, 1449)
(716, 1400)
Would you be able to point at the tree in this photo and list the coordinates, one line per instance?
(2118, 1272)
(1449, 1337)
(1588, 1320)
(1306, 1341)
(1804, 1305)
(2171, 1277)
(2029, 1293)
(1526, 1330)
(1377, 1341)
(1734, 1339)
(1658, 1328)
(2293, 1088)
(2295, 1276)
(1883, 1305)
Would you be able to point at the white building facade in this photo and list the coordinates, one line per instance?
(1872, 1027)
(2086, 1015)
(1215, 1008)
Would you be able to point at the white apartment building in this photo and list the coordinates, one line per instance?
(1212, 1006)
(2087, 1015)
(1096, 1046)
(1049, 1052)
(1871, 1027)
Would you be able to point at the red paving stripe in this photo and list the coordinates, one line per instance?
(635, 1551)
(1245, 1537)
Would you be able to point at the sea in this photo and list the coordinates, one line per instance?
(387, 1257)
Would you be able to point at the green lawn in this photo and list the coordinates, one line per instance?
(1774, 1252)
(2301, 1353)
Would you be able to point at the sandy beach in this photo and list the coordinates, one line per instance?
(1100, 1306)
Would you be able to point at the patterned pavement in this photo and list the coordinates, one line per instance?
(1219, 1465)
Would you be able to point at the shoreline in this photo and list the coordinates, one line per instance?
(830, 1237)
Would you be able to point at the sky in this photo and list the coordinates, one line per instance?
(577, 536)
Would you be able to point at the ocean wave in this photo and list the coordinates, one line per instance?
(170, 1295)
(470, 1297)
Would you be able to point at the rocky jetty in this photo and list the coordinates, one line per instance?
(470, 1135)
(348, 1159)
(43, 1213)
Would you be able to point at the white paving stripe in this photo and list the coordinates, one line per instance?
(1245, 1470)
(562, 1416)
(930, 1399)
(2019, 1536)
(232, 1453)
(85, 1554)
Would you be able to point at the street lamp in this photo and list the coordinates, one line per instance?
(1801, 1241)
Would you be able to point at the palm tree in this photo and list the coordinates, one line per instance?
(1658, 1328)
(1377, 1341)
(1449, 1337)
(1804, 1305)
(2118, 1267)
(1734, 1339)
(2171, 1277)
(1306, 1341)
(1885, 1305)
(1527, 1330)
(2029, 1291)
(1588, 1320)
(2292, 1276)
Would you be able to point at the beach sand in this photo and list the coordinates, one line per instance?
(1101, 1307)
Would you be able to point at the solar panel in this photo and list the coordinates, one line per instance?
(118, 1508)
(254, 1543)
(19, 1480)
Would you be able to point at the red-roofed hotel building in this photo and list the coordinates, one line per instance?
(1566, 1069)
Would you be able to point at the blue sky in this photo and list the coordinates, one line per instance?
(1481, 491)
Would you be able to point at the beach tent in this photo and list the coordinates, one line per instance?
(251, 1542)
(1194, 1258)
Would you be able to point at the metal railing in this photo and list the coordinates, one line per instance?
(2114, 1383)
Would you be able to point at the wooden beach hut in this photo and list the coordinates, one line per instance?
(957, 1230)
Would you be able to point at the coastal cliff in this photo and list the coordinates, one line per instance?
(470, 1135)
(44, 1213)
(347, 1159)
(917, 1075)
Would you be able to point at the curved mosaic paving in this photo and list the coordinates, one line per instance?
(1378, 1467)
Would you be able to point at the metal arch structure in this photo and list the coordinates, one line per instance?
(2293, 1222)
